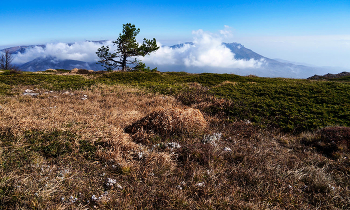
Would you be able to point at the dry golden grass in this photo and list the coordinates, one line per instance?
(226, 83)
(181, 160)
(168, 121)
(97, 113)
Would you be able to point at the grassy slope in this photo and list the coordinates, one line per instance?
(58, 151)
(292, 105)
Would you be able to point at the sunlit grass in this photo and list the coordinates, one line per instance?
(172, 141)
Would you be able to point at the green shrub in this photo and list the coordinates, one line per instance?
(51, 144)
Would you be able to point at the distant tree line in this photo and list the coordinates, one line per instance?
(6, 59)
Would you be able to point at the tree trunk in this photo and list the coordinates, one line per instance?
(124, 63)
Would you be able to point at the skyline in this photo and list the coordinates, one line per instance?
(313, 32)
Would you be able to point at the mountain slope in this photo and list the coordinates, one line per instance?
(268, 68)
(49, 62)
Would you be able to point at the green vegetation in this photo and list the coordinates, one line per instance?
(142, 67)
(293, 106)
(289, 104)
(46, 81)
(347, 79)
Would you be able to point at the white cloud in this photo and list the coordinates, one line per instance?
(82, 51)
(207, 51)
(227, 32)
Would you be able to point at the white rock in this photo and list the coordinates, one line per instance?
(212, 139)
(94, 198)
(200, 184)
(119, 186)
(30, 94)
(111, 182)
(227, 149)
(73, 199)
(174, 145)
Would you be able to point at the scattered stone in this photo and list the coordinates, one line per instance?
(173, 145)
(200, 184)
(72, 199)
(227, 149)
(212, 139)
(94, 198)
(119, 186)
(247, 122)
(111, 182)
(31, 94)
(140, 155)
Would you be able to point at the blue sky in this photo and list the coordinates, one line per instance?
(310, 31)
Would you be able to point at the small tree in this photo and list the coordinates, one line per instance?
(6, 60)
(127, 47)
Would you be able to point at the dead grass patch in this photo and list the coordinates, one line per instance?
(170, 121)
(226, 83)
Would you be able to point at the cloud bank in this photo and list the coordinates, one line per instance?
(81, 51)
(206, 52)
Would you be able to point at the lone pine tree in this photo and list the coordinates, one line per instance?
(127, 47)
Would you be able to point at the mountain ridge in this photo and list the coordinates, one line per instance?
(269, 68)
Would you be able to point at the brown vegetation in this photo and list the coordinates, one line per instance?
(69, 150)
(167, 122)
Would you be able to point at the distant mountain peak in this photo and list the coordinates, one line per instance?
(268, 68)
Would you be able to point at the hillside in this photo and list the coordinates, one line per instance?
(174, 140)
(50, 62)
(340, 76)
